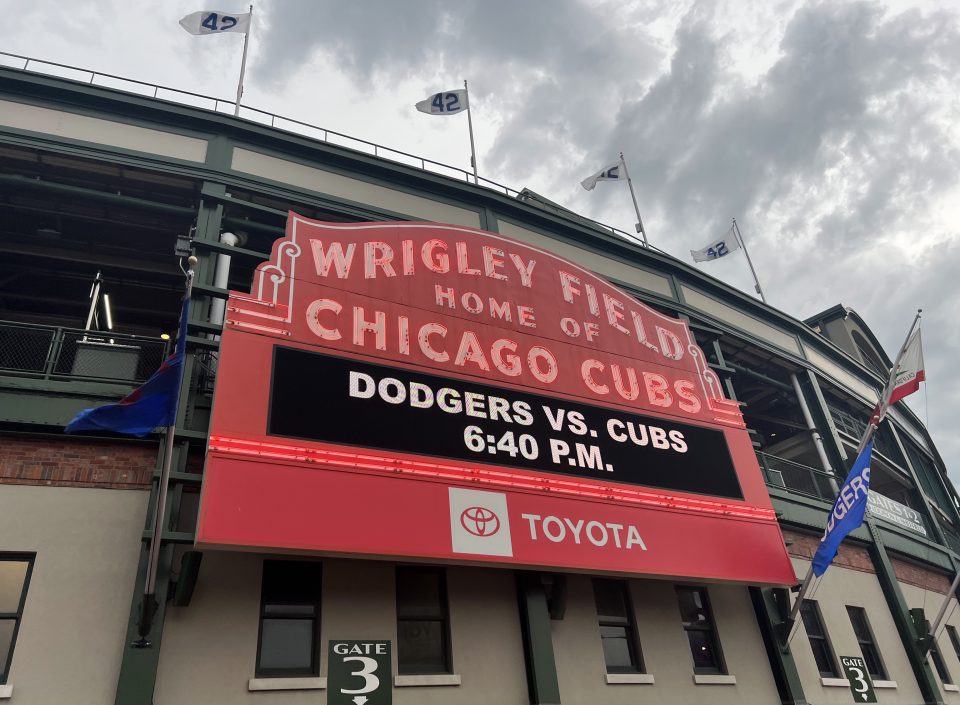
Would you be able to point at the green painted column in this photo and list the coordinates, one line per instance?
(901, 617)
(537, 640)
(138, 669)
(771, 616)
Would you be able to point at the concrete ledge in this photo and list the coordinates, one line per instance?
(287, 684)
(644, 678)
(6, 691)
(835, 682)
(951, 688)
(711, 679)
(887, 684)
(426, 679)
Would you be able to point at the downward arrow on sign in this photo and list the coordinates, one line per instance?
(361, 699)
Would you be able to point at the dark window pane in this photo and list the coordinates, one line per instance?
(704, 656)
(613, 630)
(421, 646)
(861, 627)
(813, 624)
(858, 619)
(874, 665)
(617, 653)
(611, 601)
(291, 582)
(692, 608)
(939, 664)
(289, 618)
(6, 641)
(811, 620)
(287, 644)
(954, 638)
(289, 610)
(821, 654)
(419, 594)
(12, 576)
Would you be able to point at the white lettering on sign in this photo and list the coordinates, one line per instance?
(378, 259)
(600, 534)
(362, 648)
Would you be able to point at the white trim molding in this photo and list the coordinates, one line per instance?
(6, 691)
(834, 682)
(287, 684)
(617, 678)
(426, 679)
(951, 688)
(714, 679)
(884, 684)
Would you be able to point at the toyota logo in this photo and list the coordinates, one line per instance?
(480, 521)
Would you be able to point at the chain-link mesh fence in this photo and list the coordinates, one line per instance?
(63, 352)
(25, 349)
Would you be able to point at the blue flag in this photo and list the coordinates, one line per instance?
(847, 513)
(152, 404)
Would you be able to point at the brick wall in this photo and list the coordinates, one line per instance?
(71, 462)
(920, 576)
(849, 555)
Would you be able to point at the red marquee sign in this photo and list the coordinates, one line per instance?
(416, 390)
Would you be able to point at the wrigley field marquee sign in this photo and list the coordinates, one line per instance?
(439, 392)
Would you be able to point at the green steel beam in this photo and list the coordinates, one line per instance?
(901, 618)
(542, 682)
(138, 667)
(11, 180)
(771, 617)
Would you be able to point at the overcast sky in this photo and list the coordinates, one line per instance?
(830, 130)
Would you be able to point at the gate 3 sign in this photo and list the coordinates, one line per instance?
(358, 673)
(433, 391)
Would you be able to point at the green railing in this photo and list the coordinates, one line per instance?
(797, 477)
(51, 352)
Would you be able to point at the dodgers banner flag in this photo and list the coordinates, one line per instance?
(152, 404)
(847, 512)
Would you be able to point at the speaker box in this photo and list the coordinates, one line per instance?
(189, 571)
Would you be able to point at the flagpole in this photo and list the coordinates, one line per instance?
(868, 433)
(149, 605)
(243, 62)
(938, 622)
(756, 282)
(636, 208)
(473, 149)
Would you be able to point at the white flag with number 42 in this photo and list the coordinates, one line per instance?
(717, 249)
(216, 22)
(446, 103)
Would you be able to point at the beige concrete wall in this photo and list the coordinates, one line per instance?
(838, 588)
(74, 623)
(333, 184)
(101, 132)
(209, 648)
(602, 265)
(728, 314)
(666, 651)
(930, 601)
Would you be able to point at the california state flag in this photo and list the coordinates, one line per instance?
(910, 372)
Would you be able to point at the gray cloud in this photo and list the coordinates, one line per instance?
(832, 156)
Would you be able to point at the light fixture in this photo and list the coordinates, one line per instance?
(164, 336)
(106, 310)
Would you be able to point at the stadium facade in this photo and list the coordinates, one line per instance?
(282, 556)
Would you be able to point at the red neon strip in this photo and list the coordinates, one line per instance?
(278, 451)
